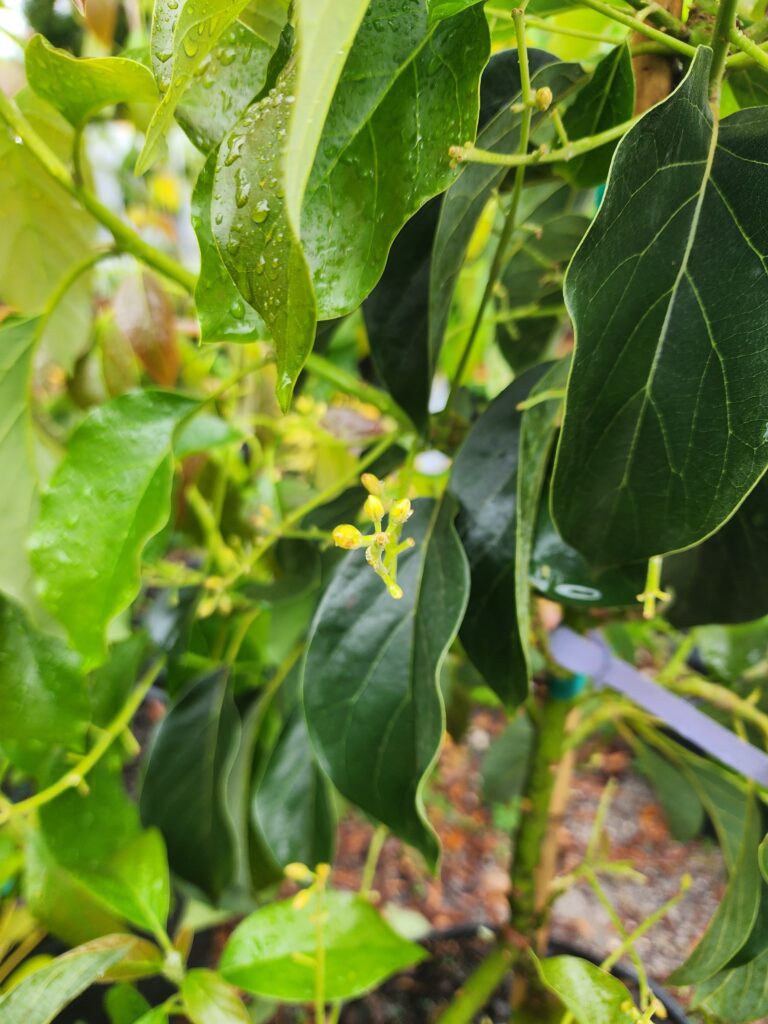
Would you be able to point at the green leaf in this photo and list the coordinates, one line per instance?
(291, 800)
(257, 242)
(724, 579)
(683, 810)
(109, 495)
(469, 194)
(608, 99)
(658, 447)
(591, 994)
(505, 767)
(371, 699)
(725, 798)
(221, 309)
(184, 788)
(81, 87)
(737, 996)
(18, 504)
(325, 31)
(377, 162)
(750, 86)
(46, 233)
(225, 83)
(134, 884)
(484, 480)
(43, 697)
(762, 858)
(124, 1004)
(205, 433)
(266, 18)
(730, 651)
(271, 952)
(197, 27)
(730, 928)
(208, 999)
(40, 996)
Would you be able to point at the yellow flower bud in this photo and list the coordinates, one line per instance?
(373, 508)
(401, 511)
(298, 872)
(347, 536)
(395, 591)
(371, 483)
(543, 98)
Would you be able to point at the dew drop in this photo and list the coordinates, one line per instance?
(260, 211)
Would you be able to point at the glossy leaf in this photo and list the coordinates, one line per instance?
(325, 31)
(738, 995)
(257, 242)
(484, 480)
(208, 999)
(184, 788)
(734, 918)
(655, 451)
(18, 504)
(270, 953)
(750, 86)
(591, 994)
(291, 802)
(196, 27)
(371, 700)
(79, 88)
(728, 652)
(223, 313)
(725, 578)
(40, 996)
(45, 234)
(469, 194)
(109, 495)
(124, 1004)
(377, 120)
(608, 99)
(43, 696)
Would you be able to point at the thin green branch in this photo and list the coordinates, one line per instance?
(479, 987)
(670, 42)
(76, 775)
(543, 155)
(748, 47)
(126, 239)
(378, 839)
(725, 26)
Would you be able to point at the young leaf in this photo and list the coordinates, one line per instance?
(184, 788)
(656, 450)
(110, 494)
(18, 504)
(591, 994)
(42, 688)
(271, 953)
(124, 1004)
(40, 997)
(468, 196)
(257, 242)
(484, 480)
(606, 100)
(81, 87)
(144, 314)
(196, 28)
(208, 999)
(223, 313)
(371, 700)
(730, 928)
(725, 578)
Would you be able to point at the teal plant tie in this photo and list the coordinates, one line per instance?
(568, 688)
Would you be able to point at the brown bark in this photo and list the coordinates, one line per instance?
(654, 73)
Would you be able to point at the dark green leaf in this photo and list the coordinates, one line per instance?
(730, 651)
(371, 698)
(18, 504)
(656, 450)
(468, 195)
(682, 808)
(255, 237)
(291, 803)
(725, 578)
(208, 999)
(484, 480)
(737, 996)
(111, 493)
(271, 952)
(725, 798)
(39, 997)
(591, 994)
(79, 88)
(730, 928)
(608, 99)
(42, 688)
(184, 789)
(221, 309)
(750, 86)
(505, 768)
(111, 683)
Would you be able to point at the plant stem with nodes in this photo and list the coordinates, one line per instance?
(670, 42)
(751, 51)
(721, 38)
(470, 154)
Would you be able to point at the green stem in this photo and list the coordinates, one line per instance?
(374, 852)
(73, 274)
(479, 987)
(471, 154)
(126, 239)
(76, 775)
(671, 43)
(351, 385)
(747, 46)
(721, 38)
(742, 59)
(526, 96)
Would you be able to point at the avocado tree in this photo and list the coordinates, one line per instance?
(480, 317)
